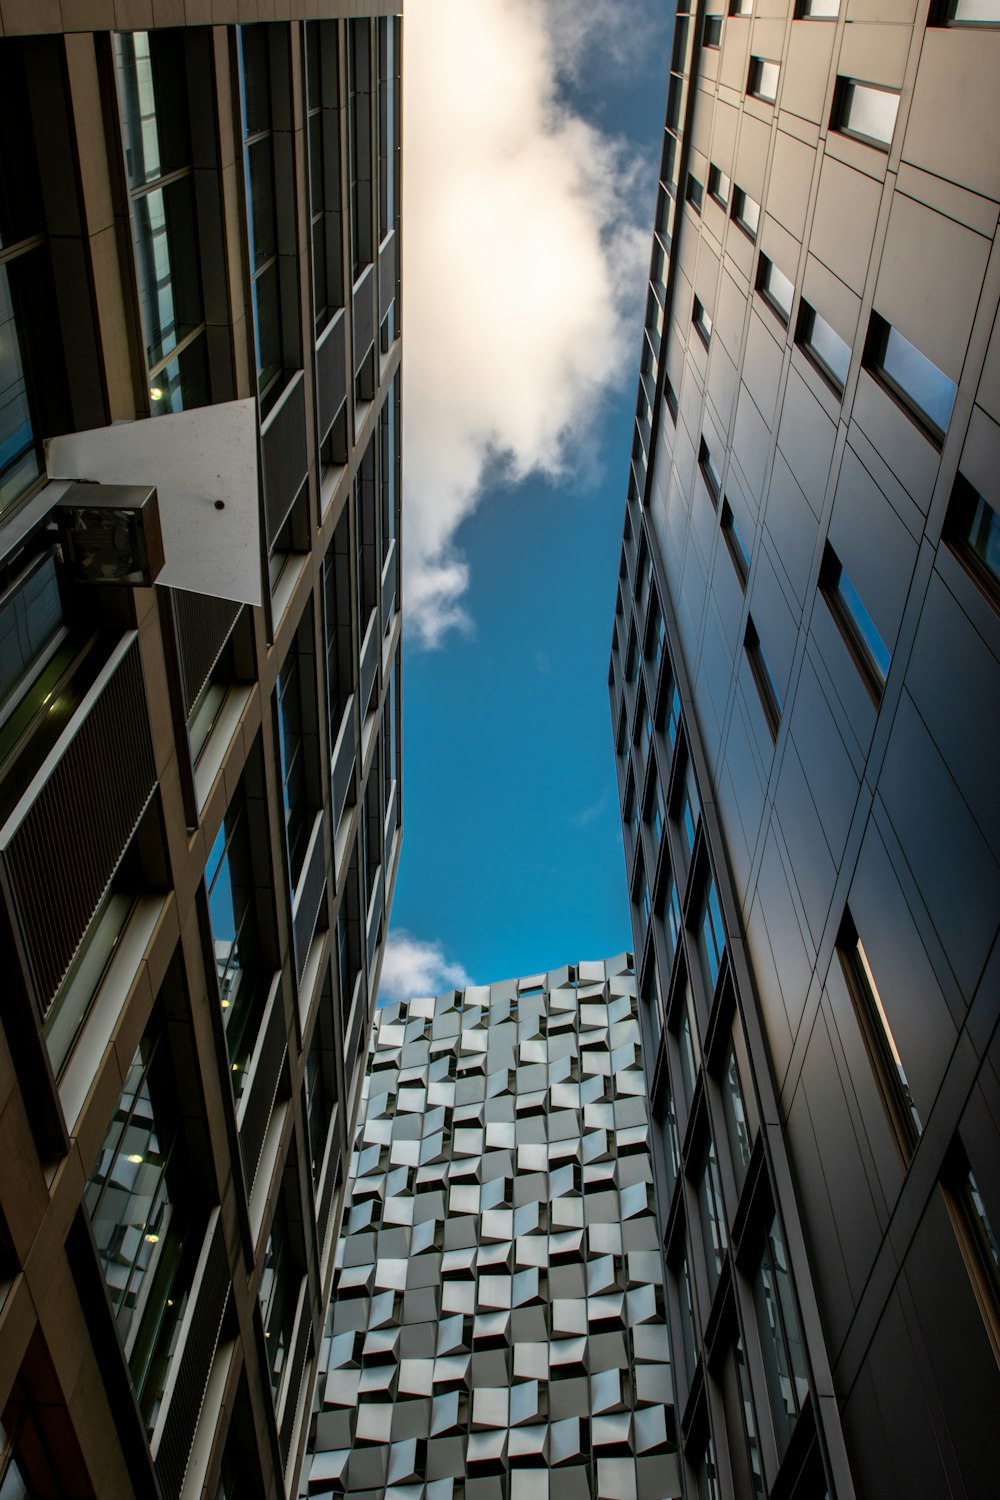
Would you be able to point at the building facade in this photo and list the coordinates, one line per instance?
(497, 1329)
(805, 691)
(200, 806)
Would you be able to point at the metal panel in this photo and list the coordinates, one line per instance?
(369, 660)
(192, 1365)
(65, 839)
(364, 315)
(389, 577)
(387, 275)
(285, 457)
(202, 625)
(331, 371)
(258, 1101)
(308, 896)
(342, 763)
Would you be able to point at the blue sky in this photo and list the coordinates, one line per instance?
(530, 154)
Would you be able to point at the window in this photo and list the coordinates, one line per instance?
(702, 322)
(970, 13)
(775, 288)
(864, 111)
(713, 1216)
(825, 348)
(734, 1110)
(280, 1279)
(781, 1344)
(264, 70)
(817, 10)
(337, 628)
(672, 914)
(359, 85)
(230, 883)
(673, 715)
(880, 1043)
(686, 809)
(712, 34)
(632, 658)
(670, 396)
(719, 186)
(770, 700)
(746, 213)
(151, 76)
(709, 472)
(671, 1142)
(740, 7)
(746, 1460)
(867, 647)
(686, 1301)
(659, 815)
(320, 1080)
(737, 547)
(762, 82)
(695, 193)
(976, 1237)
(711, 934)
(323, 115)
(925, 392)
(686, 1045)
(972, 530)
(139, 1198)
(298, 747)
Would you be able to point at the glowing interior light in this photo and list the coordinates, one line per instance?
(135, 1158)
(156, 392)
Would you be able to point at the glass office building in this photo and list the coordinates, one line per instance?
(200, 799)
(805, 694)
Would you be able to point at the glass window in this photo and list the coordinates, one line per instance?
(746, 213)
(713, 1217)
(695, 192)
(259, 54)
(702, 322)
(229, 881)
(740, 7)
(672, 914)
(292, 752)
(856, 624)
(865, 111)
(818, 10)
(746, 1458)
(764, 682)
(706, 1468)
(972, 13)
(671, 1142)
(738, 550)
(781, 1344)
(686, 1043)
(763, 79)
(320, 1081)
(686, 809)
(711, 937)
(972, 528)
(141, 1210)
(388, 121)
(825, 348)
(719, 186)
(922, 389)
(280, 1279)
(712, 34)
(687, 1317)
(359, 85)
(323, 117)
(879, 1040)
(710, 473)
(673, 715)
(775, 288)
(151, 75)
(734, 1109)
(337, 627)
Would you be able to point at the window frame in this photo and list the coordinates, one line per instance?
(768, 272)
(763, 678)
(877, 343)
(967, 500)
(740, 197)
(756, 73)
(851, 616)
(843, 93)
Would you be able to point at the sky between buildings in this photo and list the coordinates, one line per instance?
(531, 148)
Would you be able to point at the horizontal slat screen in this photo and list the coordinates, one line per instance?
(65, 840)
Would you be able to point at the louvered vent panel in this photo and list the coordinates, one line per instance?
(203, 625)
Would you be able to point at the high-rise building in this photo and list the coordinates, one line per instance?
(200, 804)
(805, 690)
(497, 1329)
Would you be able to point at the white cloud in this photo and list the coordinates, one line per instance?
(522, 249)
(593, 810)
(413, 968)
